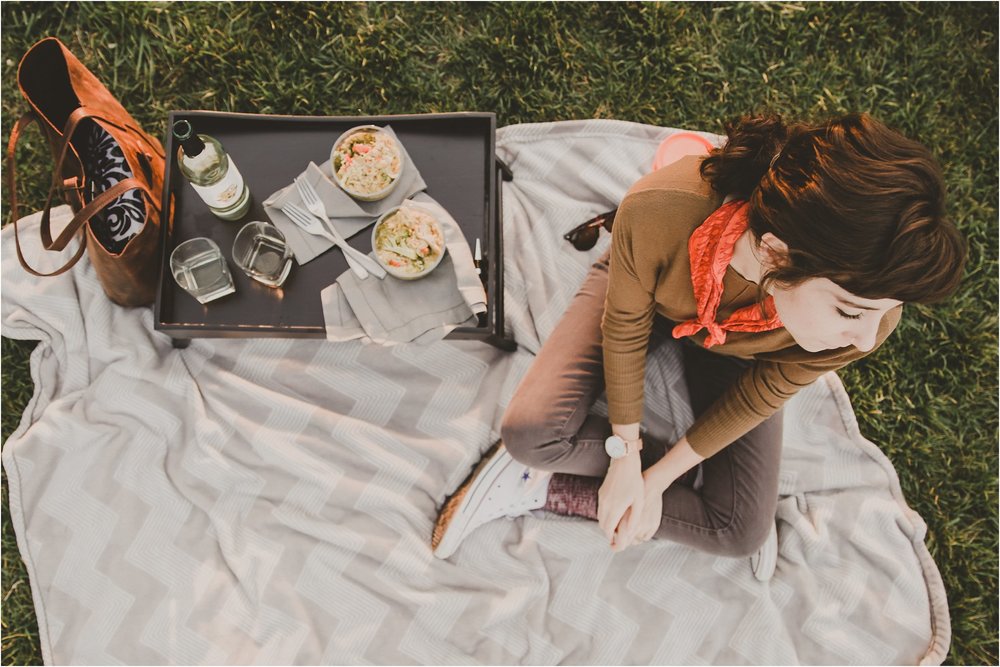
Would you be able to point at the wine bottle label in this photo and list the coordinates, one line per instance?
(225, 192)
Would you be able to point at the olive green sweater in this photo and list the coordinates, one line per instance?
(650, 272)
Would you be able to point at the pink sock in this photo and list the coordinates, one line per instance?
(573, 495)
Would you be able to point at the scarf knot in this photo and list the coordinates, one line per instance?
(710, 249)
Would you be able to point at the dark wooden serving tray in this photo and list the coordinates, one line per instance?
(454, 153)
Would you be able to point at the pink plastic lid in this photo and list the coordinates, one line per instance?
(678, 145)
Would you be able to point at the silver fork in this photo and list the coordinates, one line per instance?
(308, 223)
(312, 201)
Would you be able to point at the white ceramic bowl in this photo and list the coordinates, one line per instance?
(401, 267)
(387, 163)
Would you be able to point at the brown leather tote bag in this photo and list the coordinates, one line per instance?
(106, 168)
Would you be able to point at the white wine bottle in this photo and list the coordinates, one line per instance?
(211, 172)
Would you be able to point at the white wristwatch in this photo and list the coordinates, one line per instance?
(618, 447)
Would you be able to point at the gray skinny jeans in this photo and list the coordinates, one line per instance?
(548, 425)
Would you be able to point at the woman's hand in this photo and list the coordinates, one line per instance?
(652, 512)
(656, 480)
(643, 528)
(620, 500)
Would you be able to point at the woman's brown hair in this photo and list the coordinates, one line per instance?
(855, 201)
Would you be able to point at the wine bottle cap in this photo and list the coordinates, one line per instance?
(192, 143)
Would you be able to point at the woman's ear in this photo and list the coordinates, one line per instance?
(773, 249)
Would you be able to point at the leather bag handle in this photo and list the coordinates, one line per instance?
(81, 218)
(96, 205)
(82, 112)
(26, 119)
(79, 114)
(62, 147)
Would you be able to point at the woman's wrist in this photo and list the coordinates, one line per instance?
(632, 458)
(630, 434)
(626, 431)
(674, 463)
(658, 477)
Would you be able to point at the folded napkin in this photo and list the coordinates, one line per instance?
(391, 311)
(350, 216)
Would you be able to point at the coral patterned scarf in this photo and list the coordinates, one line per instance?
(711, 249)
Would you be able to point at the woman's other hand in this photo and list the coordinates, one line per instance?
(620, 500)
(652, 512)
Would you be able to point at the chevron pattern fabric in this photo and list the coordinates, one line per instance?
(271, 501)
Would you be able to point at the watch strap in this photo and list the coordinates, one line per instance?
(632, 445)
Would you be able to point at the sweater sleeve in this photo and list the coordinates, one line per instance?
(628, 315)
(766, 385)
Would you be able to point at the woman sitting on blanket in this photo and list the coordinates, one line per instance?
(781, 256)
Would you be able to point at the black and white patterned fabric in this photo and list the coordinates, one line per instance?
(105, 165)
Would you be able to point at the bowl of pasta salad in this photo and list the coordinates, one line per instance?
(408, 241)
(367, 162)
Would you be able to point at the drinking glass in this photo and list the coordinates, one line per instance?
(199, 266)
(261, 251)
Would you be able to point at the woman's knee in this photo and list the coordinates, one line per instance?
(744, 531)
(746, 537)
(738, 533)
(523, 435)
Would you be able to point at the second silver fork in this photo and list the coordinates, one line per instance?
(312, 201)
(307, 222)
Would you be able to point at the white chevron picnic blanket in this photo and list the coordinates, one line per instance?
(271, 501)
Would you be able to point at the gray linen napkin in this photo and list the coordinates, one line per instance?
(350, 216)
(392, 311)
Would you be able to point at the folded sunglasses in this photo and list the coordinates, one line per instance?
(584, 236)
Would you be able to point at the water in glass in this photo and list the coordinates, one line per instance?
(203, 274)
(267, 260)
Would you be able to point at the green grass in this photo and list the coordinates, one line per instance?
(928, 397)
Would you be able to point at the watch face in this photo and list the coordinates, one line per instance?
(615, 447)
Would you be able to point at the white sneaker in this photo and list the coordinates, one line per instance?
(498, 487)
(765, 560)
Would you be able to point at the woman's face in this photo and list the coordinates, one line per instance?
(820, 315)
